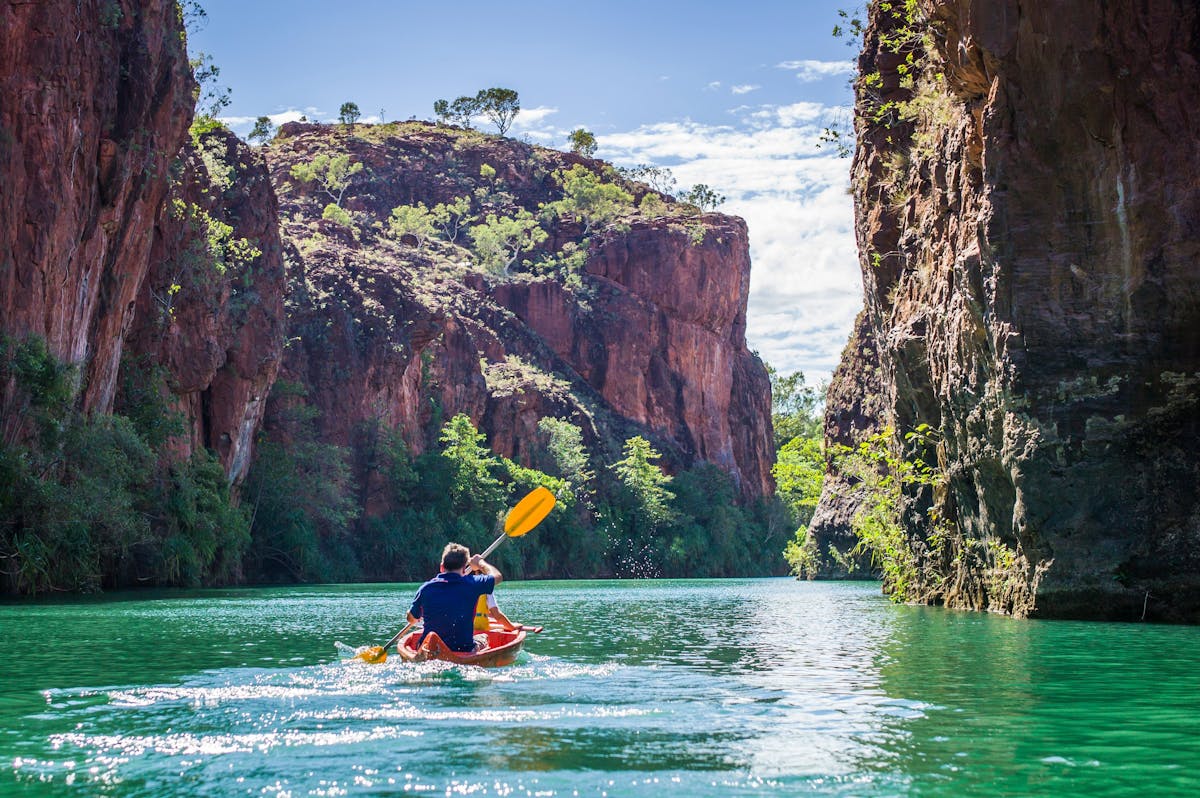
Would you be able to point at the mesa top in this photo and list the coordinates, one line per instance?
(447, 604)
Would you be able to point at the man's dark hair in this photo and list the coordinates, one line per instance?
(454, 556)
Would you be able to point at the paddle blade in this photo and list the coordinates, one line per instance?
(374, 655)
(529, 512)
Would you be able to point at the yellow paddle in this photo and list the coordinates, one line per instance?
(528, 513)
(520, 520)
(376, 655)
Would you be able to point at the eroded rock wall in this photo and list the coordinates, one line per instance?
(650, 341)
(853, 413)
(95, 99)
(1028, 218)
(211, 310)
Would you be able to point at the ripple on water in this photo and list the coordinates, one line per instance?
(801, 689)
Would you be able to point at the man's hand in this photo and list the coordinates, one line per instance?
(478, 562)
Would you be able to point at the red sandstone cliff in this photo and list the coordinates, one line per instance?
(1027, 214)
(211, 310)
(650, 340)
(95, 99)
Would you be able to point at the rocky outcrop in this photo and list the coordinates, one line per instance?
(1027, 217)
(211, 310)
(853, 406)
(95, 99)
(642, 334)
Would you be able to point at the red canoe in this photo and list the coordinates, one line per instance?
(502, 649)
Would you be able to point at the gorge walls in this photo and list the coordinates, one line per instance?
(1028, 218)
(95, 100)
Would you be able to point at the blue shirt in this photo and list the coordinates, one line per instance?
(447, 603)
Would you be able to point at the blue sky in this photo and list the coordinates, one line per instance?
(725, 93)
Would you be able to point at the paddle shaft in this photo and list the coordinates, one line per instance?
(399, 635)
(495, 544)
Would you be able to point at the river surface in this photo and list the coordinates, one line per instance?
(688, 687)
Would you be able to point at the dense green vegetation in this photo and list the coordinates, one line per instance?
(799, 459)
(94, 501)
(98, 502)
(627, 518)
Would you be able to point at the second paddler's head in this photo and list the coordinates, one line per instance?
(454, 558)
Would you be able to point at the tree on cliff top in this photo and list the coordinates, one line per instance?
(500, 106)
(588, 198)
(263, 131)
(583, 142)
(348, 114)
(703, 197)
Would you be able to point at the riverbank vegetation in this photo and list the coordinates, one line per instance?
(96, 501)
(625, 519)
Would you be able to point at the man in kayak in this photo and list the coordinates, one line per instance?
(447, 602)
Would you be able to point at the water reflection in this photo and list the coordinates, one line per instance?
(1042, 707)
(704, 687)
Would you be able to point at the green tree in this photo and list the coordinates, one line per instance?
(588, 198)
(500, 106)
(703, 197)
(210, 96)
(795, 407)
(475, 487)
(301, 494)
(645, 483)
(332, 173)
(414, 220)
(565, 453)
(658, 178)
(448, 216)
(582, 142)
(348, 114)
(500, 240)
(339, 215)
(459, 112)
(264, 130)
(799, 472)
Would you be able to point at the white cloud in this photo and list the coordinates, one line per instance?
(809, 70)
(528, 117)
(744, 88)
(242, 125)
(805, 285)
(716, 84)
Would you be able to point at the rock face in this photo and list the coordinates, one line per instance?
(1029, 223)
(211, 310)
(645, 334)
(95, 99)
(853, 407)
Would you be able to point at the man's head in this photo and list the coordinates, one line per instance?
(454, 557)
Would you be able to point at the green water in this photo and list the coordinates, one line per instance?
(698, 688)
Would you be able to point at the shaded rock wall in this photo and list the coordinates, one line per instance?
(95, 99)
(1029, 243)
(853, 409)
(211, 310)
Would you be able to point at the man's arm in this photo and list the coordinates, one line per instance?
(488, 569)
(502, 619)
